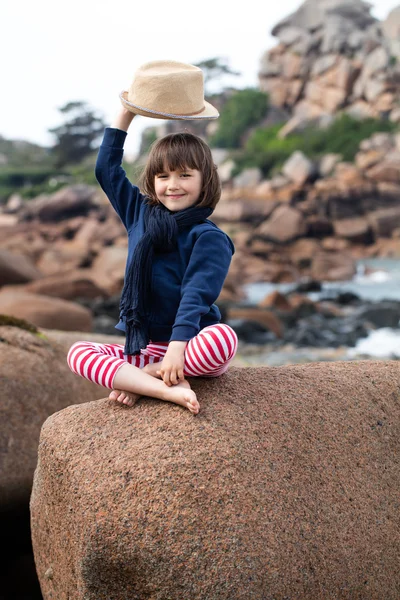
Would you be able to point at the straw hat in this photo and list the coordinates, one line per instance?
(165, 89)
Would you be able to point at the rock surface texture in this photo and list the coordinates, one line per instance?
(285, 486)
(35, 382)
(332, 55)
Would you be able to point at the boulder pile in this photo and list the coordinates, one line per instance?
(62, 257)
(333, 55)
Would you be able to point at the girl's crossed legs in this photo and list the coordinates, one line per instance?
(207, 355)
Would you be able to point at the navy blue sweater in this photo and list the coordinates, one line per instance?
(185, 282)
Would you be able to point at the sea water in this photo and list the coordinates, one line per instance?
(376, 279)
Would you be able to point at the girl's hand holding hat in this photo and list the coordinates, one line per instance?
(123, 119)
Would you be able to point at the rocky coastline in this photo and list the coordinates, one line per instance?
(307, 225)
(323, 434)
(62, 255)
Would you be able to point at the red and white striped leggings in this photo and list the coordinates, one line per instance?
(206, 355)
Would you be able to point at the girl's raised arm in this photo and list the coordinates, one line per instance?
(125, 197)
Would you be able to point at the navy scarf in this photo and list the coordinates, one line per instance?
(161, 233)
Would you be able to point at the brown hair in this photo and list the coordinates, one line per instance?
(182, 151)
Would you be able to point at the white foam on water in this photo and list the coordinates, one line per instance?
(381, 343)
(375, 276)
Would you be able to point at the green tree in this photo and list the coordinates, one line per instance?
(241, 111)
(266, 151)
(214, 68)
(343, 136)
(76, 138)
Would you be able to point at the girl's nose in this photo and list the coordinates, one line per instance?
(173, 184)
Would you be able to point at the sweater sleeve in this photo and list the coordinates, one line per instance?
(202, 283)
(125, 197)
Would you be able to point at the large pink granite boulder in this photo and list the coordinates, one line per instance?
(16, 268)
(286, 485)
(35, 382)
(67, 286)
(45, 311)
(333, 266)
(284, 225)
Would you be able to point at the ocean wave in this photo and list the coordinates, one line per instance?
(375, 276)
(381, 343)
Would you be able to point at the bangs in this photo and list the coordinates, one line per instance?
(175, 154)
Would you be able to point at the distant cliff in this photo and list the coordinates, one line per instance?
(334, 55)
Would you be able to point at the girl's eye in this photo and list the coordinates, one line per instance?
(161, 176)
(185, 174)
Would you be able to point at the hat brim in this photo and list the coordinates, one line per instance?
(209, 112)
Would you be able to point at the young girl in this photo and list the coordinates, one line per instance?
(176, 267)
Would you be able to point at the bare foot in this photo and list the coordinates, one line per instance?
(182, 394)
(128, 398)
(178, 394)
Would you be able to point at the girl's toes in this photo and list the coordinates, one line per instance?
(193, 406)
(123, 397)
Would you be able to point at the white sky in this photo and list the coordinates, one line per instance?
(55, 52)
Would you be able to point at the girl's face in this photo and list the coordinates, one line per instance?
(178, 189)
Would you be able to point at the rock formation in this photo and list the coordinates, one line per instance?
(316, 218)
(285, 486)
(313, 220)
(391, 29)
(333, 55)
(35, 383)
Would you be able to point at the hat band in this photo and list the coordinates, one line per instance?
(156, 112)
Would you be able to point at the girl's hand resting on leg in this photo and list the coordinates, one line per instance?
(171, 369)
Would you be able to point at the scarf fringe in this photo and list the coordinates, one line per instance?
(136, 339)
